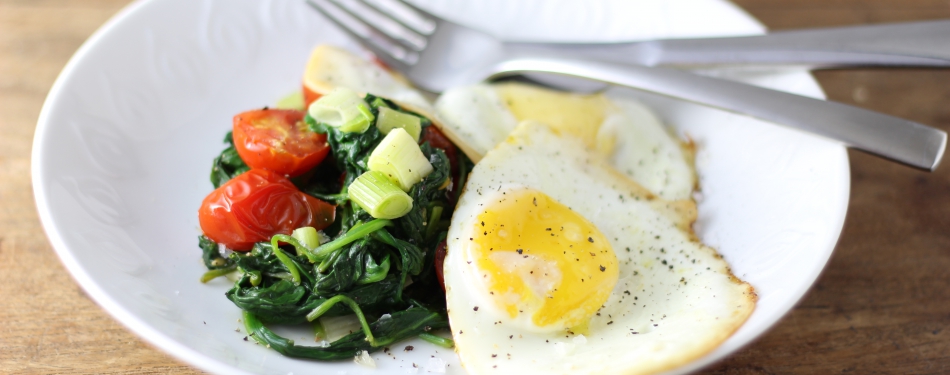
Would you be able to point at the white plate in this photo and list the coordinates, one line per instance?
(125, 141)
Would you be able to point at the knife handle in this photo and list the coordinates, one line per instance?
(904, 141)
(921, 44)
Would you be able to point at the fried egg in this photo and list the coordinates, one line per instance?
(621, 129)
(330, 67)
(570, 250)
(478, 117)
(559, 264)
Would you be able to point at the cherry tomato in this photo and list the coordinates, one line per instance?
(309, 96)
(439, 261)
(436, 139)
(256, 205)
(278, 140)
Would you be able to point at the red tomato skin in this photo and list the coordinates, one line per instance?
(440, 252)
(256, 205)
(436, 139)
(278, 140)
(309, 96)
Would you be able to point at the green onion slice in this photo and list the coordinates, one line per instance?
(390, 119)
(399, 157)
(308, 237)
(379, 196)
(342, 108)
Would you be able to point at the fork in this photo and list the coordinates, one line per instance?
(452, 55)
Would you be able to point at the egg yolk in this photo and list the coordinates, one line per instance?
(538, 257)
(570, 113)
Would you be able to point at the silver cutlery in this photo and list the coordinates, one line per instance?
(920, 44)
(436, 54)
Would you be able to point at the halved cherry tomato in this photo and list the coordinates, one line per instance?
(439, 261)
(278, 140)
(309, 96)
(256, 205)
(436, 139)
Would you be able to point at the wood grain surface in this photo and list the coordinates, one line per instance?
(882, 305)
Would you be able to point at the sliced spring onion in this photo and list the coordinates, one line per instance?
(390, 119)
(399, 157)
(342, 108)
(308, 237)
(379, 196)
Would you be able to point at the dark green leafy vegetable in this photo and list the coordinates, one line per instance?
(348, 266)
(227, 165)
(400, 325)
(368, 263)
(282, 302)
(426, 195)
(211, 256)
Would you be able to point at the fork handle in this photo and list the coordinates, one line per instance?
(904, 141)
(925, 44)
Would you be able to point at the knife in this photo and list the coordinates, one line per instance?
(919, 44)
(903, 141)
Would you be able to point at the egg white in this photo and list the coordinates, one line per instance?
(675, 299)
(330, 67)
(627, 132)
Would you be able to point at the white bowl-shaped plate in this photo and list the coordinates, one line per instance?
(124, 145)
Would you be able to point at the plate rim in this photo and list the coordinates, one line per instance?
(181, 352)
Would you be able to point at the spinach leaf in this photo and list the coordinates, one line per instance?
(360, 270)
(348, 266)
(262, 258)
(227, 165)
(322, 182)
(398, 326)
(210, 255)
(425, 196)
(283, 302)
(350, 150)
(411, 256)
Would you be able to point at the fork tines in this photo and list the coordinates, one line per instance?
(393, 30)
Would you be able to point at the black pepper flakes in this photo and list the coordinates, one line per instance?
(408, 348)
(476, 308)
(590, 239)
(602, 268)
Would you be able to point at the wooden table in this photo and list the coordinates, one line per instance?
(882, 305)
